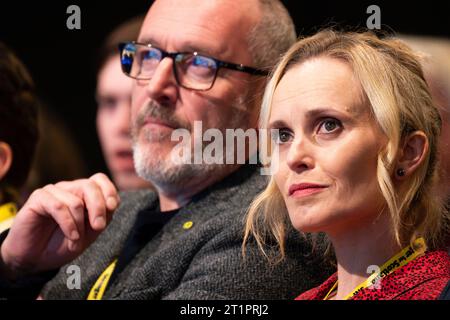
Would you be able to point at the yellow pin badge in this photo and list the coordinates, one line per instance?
(187, 225)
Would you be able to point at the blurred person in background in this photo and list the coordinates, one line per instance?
(58, 156)
(436, 64)
(114, 106)
(18, 132)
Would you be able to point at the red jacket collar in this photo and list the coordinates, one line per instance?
(432, 265)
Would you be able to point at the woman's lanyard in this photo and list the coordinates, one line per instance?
(399, 260)
(7, 213)
(98, 289)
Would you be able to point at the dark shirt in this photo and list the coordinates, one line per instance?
(148, 223)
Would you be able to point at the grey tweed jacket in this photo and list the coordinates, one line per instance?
(203, 262)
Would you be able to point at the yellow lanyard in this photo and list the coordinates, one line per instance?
(399, 260)
(98, 289)
(7, 213)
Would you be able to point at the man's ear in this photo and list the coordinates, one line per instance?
(6, 156)
(412, 154)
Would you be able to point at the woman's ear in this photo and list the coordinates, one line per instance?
(412, 154)
(6, 157)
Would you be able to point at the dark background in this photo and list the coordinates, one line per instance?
(61, 61)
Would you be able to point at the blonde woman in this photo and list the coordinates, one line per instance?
(357, 136)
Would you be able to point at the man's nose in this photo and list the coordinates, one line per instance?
(162, 87)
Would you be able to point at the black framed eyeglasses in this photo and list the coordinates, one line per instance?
(191, 69)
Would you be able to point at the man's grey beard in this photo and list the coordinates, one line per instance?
(166, 175)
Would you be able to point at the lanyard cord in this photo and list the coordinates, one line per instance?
(397, 261)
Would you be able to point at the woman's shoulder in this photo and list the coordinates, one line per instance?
(422, 279)
(428, 290)
(429, 275)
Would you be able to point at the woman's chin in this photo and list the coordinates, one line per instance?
(309, 227)
(308, 221)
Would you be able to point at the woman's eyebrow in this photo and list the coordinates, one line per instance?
(309, 114)
(347, 111)
(315, 112)
(277, 124)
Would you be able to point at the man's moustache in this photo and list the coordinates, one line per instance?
(160, 113)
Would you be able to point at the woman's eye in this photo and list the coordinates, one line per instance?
(281, 136)
(329, 126)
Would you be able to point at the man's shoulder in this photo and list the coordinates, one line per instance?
(131, 202)
(137, 197)
(235, 191)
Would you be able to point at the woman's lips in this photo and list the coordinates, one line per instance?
(305, 189)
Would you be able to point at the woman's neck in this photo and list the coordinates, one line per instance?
(360, 248)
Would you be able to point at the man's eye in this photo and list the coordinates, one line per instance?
(200, 61)
(329, 125)
(199, 66)
(151, 54)
(280, 136)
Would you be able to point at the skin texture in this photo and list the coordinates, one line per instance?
(309, 98)
(180, 26)
(113, 124)
(328, 138)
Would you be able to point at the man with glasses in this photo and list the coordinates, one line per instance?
(192, 70)
(194, 61)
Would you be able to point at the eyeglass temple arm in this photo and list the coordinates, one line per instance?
(242, 68)
(222, 64)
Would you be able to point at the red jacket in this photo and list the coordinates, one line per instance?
(424, 278)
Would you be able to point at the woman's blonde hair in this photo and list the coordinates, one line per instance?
(393, 82)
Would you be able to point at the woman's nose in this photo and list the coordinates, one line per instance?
(299, 156)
